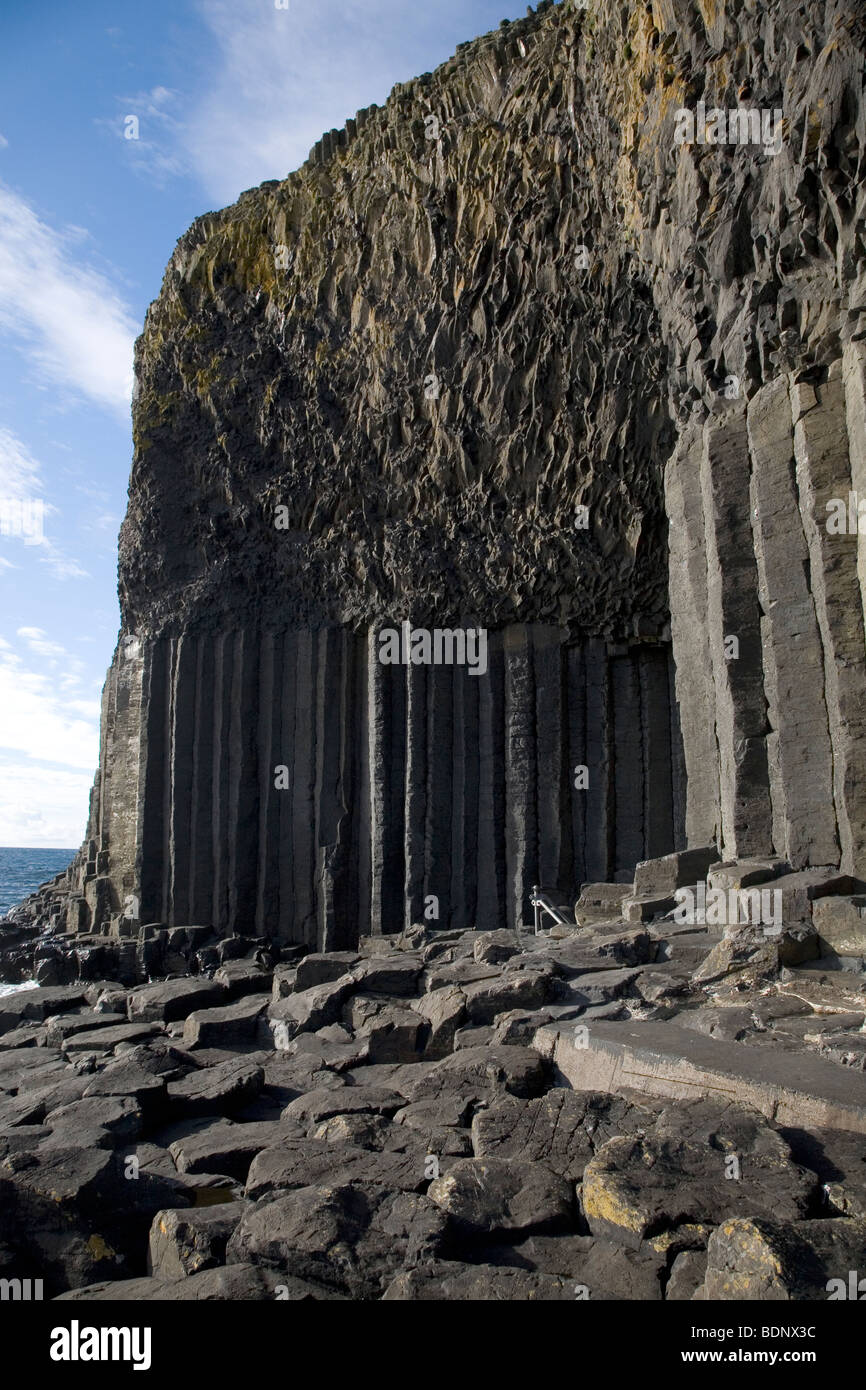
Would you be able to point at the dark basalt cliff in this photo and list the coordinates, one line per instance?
(507, 355)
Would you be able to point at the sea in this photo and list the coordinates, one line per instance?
(22, 871)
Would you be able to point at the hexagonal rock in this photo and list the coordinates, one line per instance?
(513, 989)
(323, 968)
(314, 1106)
(394, 975)
(354, 1238)
(454, 1282)
(119, 1115)
(395, 1035)
(222, 1027)
(309, 1010)
(636, 1188)
(35, 1005)
(562, 1129)
(486, 1195)
(172, 1000)
(444, 1010)
(240, 977)
(186, 1242)
(224, 1147)
(482, 1070)
(495, 947)
(762, 1259)
(217, 1090)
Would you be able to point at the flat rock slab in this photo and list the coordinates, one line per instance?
(217, 1090)
(305, 1162)
(172, 1000)
(221, 1027)
(107, 1039)
(314, 1106)
(225, 1147)
(601, 1269)
(35, 1005)
(662, 1059)
(563, 1129)
(61, 1026)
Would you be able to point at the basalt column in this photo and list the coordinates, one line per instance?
(296, 788)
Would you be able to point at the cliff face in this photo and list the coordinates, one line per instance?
(524, 351)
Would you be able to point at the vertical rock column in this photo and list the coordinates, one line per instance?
(695, 689)
(733, 620)
(823, 474)
(491, 869)
(799, 755)
(854, 374)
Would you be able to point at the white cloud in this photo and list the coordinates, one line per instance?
(49, 741)
(21, 481)
(67, 317)
(46, 713)
(42, 805)
(286, 76)
(4, 143)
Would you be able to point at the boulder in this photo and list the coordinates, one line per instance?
(496, 947)
(353, 1238)
(444, 1010)
(182, 1243)
(225, 1147)
(484, 1195)
(761, 1259)
(703, 1162)
(484, 1071)
(313, 1107)
(396, 975)
(221, 1027)
(308, 1010)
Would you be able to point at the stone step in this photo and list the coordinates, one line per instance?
(647, 907)
(655, 877)
(662, 1059)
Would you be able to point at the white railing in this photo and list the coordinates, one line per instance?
(542, 902)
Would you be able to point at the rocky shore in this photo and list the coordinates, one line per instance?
(633, 1108)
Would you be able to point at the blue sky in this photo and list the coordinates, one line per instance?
(227, 93)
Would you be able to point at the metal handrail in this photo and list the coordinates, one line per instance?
(541, 902)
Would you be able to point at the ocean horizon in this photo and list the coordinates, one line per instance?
(23, 870)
